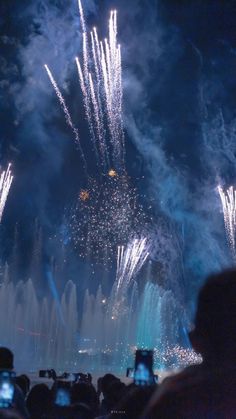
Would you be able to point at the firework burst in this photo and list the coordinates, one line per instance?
(107, 211)
(100, 79)
(105, 215)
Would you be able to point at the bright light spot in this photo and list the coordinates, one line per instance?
(112, 173)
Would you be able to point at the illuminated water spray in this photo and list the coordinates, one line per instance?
(228, 200)
(6, 179)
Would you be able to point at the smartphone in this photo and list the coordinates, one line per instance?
(47, 374)
(62, 394)
(143, 370)
(6, 389)
(44, 374)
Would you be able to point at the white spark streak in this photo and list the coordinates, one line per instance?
(130, 261)
(107, 93)
(228, 200)
(6, 179)
(65, 109)
(62, 102)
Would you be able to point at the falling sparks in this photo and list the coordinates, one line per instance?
(62, 102)
(103, 103)
(176, 357)
(6, 179)
(130, 261)
(65, 110)
(110, 216)
(107, 211)
(228, 200)
(100, 78)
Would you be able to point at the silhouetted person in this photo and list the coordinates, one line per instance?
(7, 364)
(104, 384)
(23, 382)
(207, 390)
(133, 402)
(86, 394)
(39, 401)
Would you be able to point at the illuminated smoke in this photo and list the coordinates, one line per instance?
(6, 179)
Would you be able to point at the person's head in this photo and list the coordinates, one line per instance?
(215, 321)
(39, 400)
(115, 391)
(105, 383)
(6, 359)
(24, 383)
(82, 392)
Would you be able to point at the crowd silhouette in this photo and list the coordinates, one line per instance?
(202, 391)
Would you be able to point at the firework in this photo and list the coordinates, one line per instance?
(62, 102)
(106, 212)
(6, 179)
(228, 200)
(65, 110)
(176, 357)
(110, 216)
(101, 85)
(130, 261)
(112, 173)
(84, 195)
(103, 102)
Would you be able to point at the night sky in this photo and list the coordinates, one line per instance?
(179, 72)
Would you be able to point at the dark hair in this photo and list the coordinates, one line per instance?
(106, 381)
(84, 393)
(6, 359)
(39, 400)
(215, 318)
(24, 383)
